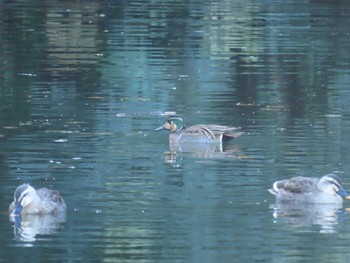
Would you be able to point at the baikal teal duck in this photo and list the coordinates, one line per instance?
(202, 133)
(310, 190)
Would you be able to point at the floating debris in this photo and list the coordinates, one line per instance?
(333, 115)
(96, 97)
(28, 123)
(146, 114)
(134, 99)
(27, 74)
(247, 104)
(61, 140)
(60, 131)
(274, 108)
(56, 162)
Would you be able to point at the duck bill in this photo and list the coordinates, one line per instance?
(343, 193)
(17, 210)
(160, 128)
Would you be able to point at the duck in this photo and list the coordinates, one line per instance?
(310, 190)
(202, 133)
(28, 200)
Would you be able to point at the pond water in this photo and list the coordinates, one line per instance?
(84, 85)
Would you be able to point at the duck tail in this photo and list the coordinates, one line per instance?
(232, 135)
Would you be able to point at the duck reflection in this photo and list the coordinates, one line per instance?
(327, 216)
(28, 226)
(200, 150)
(196, 148)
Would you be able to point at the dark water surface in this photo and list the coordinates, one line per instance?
(84, 84)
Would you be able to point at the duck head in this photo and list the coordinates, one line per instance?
(172, 124)
(331, 184)
(24, 195)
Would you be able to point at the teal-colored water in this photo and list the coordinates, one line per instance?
(84, 85)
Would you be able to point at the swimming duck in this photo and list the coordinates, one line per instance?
(310, 190)
(27, 200)
(201, 133)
